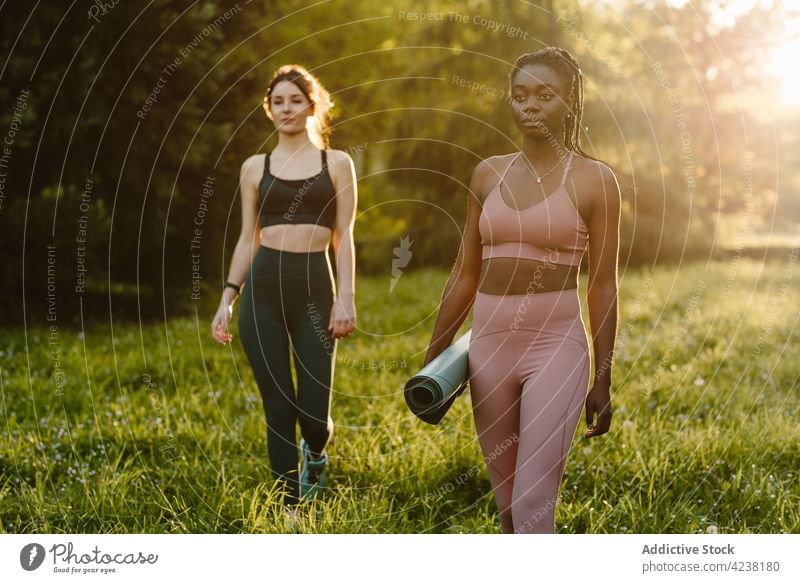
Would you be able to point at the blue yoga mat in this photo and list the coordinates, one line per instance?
(430, 393)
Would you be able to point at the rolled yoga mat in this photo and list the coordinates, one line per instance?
(430, 393)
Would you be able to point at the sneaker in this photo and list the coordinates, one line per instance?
(312, 473)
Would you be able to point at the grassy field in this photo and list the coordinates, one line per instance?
(158, 429)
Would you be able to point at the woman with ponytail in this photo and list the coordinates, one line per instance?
(296, 201)
(531, 216)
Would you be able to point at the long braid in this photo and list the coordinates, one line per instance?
(563, 63)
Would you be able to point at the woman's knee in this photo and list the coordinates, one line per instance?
(534, 512)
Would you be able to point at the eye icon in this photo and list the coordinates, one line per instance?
(31, 556)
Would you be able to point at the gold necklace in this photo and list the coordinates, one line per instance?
(531, 169)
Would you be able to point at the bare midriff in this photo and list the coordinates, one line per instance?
(304, 238)
(503, 276)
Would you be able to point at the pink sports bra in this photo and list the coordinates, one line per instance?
(551, 230)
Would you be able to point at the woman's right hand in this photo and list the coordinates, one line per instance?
(432, 353)
(219, 325)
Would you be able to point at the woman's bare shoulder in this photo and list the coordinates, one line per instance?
(339, 157)
(251, 170)
(592, 169)
(340, 163)
(597, 181)
(488, 172)
(253, 165)
(498, 163)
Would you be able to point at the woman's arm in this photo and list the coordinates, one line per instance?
(459, 291)
(602, 297)
(343, 314)
(245, 249)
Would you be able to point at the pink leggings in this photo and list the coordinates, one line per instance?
(529, 367)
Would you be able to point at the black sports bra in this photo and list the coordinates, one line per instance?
(290, 202)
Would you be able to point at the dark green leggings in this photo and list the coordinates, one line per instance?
(288, 296)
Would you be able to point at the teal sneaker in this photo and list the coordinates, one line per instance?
(312, 473)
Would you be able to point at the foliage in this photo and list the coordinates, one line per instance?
(419, 101)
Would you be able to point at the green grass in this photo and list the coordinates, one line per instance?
(705, 431)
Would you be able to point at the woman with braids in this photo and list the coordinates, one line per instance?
(296, 200)
(531, 216)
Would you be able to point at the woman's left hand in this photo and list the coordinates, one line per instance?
(343, 318)
(598, 403)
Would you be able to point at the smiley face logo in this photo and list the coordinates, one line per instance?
(31, 556)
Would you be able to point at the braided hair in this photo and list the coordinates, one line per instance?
(565, 65)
